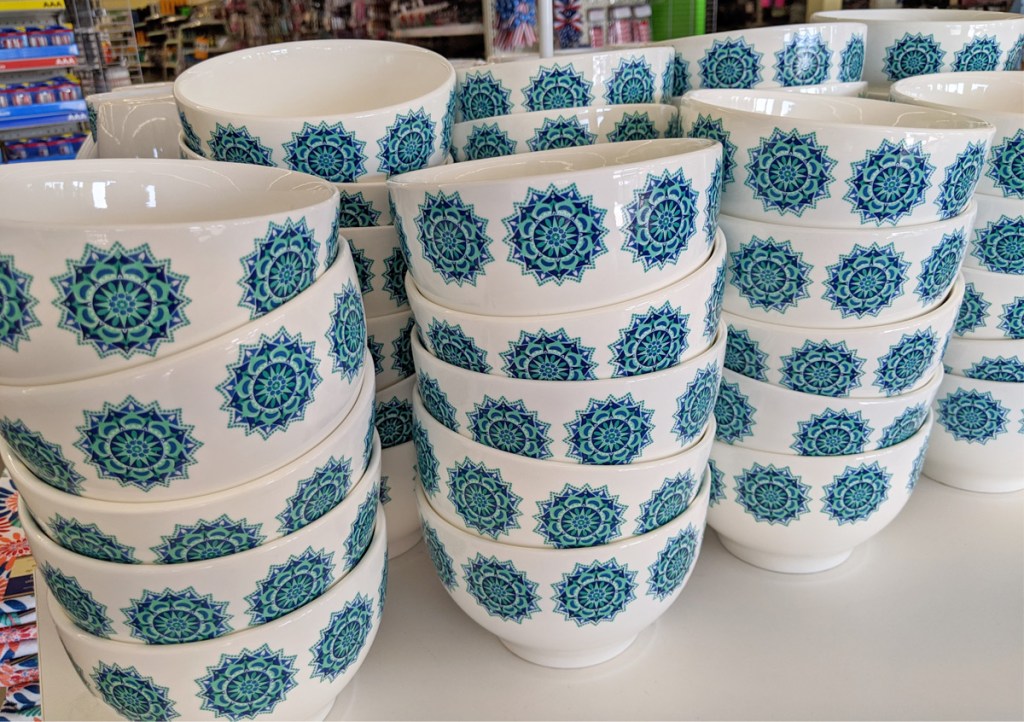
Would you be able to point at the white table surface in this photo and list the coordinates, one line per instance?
(925, 621)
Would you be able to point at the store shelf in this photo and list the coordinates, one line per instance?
(35, 6)
(438, 31)
(63, 61)
(31, 116)
(923, 622)
(39, 160)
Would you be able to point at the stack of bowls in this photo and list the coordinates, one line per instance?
(568, 355)
(836, 325)
(978, 443)
(186, 412)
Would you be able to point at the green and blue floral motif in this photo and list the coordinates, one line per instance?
(579, 517)
(77, 601)
(407, 144)
(790, 172)
(613, 431)
(714, 196)
(915, 471)
(447, 123)
(395, 268)
(488, 140)
(362, 530)
(654, 340)
(730, 64)
(16, 304)
(697, 403)
(426, 460)
(769, 274)
(857, 493)
(191, 138)
(633, 126)
(557, 87)
(483, 499)
(454, 239)
(832, 433)
(46, 460)
(401, 350)
(384, 493)
(89, 540)
(549, 356)
(394, 421)
(680, 76)
(439, 556)
(804, 60)
(176, 617)
(1011, 320)
(594, 593)
(973, 416)
(208, 540)
(713, 128)
(905, 362)
(823, 369)
(973, 311)
(999, 246)
(961, 178)
(734, 414)
(666, 503)
(717, 483)
(364, 270)
(376, 353)
(342, 640)
(291, 584)
(674, 562)
(250, 683)
(326, 150)
(435, 400)
(355, 211)
(92, 117)
(631, 82)
(1015, 55)
(744, 355)
(903, 426)
(866, 280)
(451, 344)
(713, 304)
(333, 244)
(480, 95)
(889, 183)
(561, 132)
(316, 495)
(851, 60)
(911, 55)
(772, 495)
(1006, 370)
(939, 270)
(238, 145)
(982, 53)
(510, 426)
(661, 220)
(346, 337)
(500, 588)
(131, 694)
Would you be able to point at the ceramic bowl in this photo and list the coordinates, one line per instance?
(393, 115)
(140, 121)
(87, 150)
(841, 278)
(107, 264)
(769, 57)
(843, 90)
(398, 494)
(642, 335)
(838, 162)
(211, 525)
(979, 435)
(566, 607)
(206, 419)
(993, 306)
(870, 362)
(551, 129)
(363, 205)
(145, 603)
(542, 503)
(606, 77)
(998, 236)
(598, 422)
(901, 43)
(388, 340)
(756, 415)
(185, 152)
(380, 263)
(393, 412)
(560, 230)
(803, 514)
(291, 668)
(985, 359)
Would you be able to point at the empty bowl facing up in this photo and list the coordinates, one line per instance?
(844, 90)
(140, 121)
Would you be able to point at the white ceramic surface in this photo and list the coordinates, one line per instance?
(107, 264)
(140, 121)
(843, 90)
(998, 236)
(986, 359)
(381, 266)
(398, 494)
(559, 230)
(87, 150)
(388, 340)
(364, 205)
(993, 306)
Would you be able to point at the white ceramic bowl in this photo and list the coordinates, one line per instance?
(839, 162)
(192, 601)
(107, 264)
(876, 361)
(559, 230)
(388, 341)
(803, 514)
(398, 494)
(140, 121)
(645, 334)
(907, 42)
(364, 205)
(393, 412)
(185, 151)
(391, 116)
(769, 57)
(211, 525)
(380, 263)
(606, 77)
(206, 419)
(566, 607)
(985, 359)
(844, 90)
(756, 415)
(550, 129)
(598, 422)
(87, 150)
(993, 306)
(998, 236)
(978, 444)
(841, 278)
(291, 668)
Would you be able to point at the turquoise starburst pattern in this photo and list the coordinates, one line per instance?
(790, 172)
(481, 95)
(549, 356)
(371, 431)
(326, 150)
(16, 304)
(654, 340)
(857, 493)
(355, 211)
(92, 116)
(238, 145)
(250, 683)
(911, 55)
(730, 64)
(346, 337)
(939, 270)
(832, 433)
(557, 87)
(401, 353)
(454, 239)
(613, 431)
(316, 495)
(483, 499)
(46, 460)
(131, 694)
(452, 345)
(176, 617)
(426, 460)
(500, 588)
(804, 60)
(660, 220)
(889, 183)
(342, 640)
(972, 416)
(138, 445)
(772, 495)
(1011, 320)
(208, 540)
(555, 235)
(290, 585)
(866, 280)
(769, 274)
(713, 128)
(631, 82)
(906, 361)
(407, 144)
(192, 140)
(1006, 166)
(272, 383)
(851, 60)
(121, 301)
(510, 426)
(332, 247)
(395, 268)
(734, 414)
(675, 127)
(447, 123)
(89, 540)
(1007, 370)
(680, 76)
(980, 54)
(674, 562)
(713, 304)
(973, 311)
(394, 422)
(385, 491)
(436, 401)
(443, 563)
(594, 593)
(579, 517)
(1015, 55)
(376, 353)
(633, 126)
(915, 471)
(903, 426)
(362, 530)
(714, 196)
(960, 180)
(695, 406)
(999, 246)
(744, 355)
(488, 140)
(717, 483)
(666, 503)
(77, 601)
(823, 369)
(561, 132)
(364, 270)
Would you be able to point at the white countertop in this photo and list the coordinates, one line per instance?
(925, 621)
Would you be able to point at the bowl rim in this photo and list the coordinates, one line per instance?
(766, 32)
(861, 403)
(892, 15)
(591, 112)
(909, 92)
(891, 233)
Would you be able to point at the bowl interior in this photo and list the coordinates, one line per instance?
(1000, 91)
(915, 15)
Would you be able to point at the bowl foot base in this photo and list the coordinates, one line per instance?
(398, 547)
(784, 563)
(967, 480)
(568, 659)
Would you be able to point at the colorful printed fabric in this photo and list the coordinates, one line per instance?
(22, 699)
(19, 672)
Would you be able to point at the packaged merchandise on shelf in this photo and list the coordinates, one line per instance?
(28, 149)
(61, 89)
(20, 37)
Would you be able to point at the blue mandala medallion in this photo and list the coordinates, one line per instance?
(999, 246)
(730, 64)
(911, 55)
(346, 336)
(1006, 370)
(823, 369)
(355, 211)
(804, 60)
(906, 361)
(981, 53)
(480, 95)
(454, 239)
(832, 433)
(973, 311)
(714, 195)
(939, 270)
(594, 593)
(769, 274)
(364, 270)
(451, 344)
(1006, 167)
(483, 499)
(395, 268)
(744, 355)
(666, 503)
(889, 183)
(394, 422)
(561, 133)
(189, 135)
(363, 527)
(790, 172)
(89, 540)
(613, 431)
(713, 128)
(961, 178)
(1011, 320)
(633, 126)
(713, 304)
(326, 150)
(866, 280)
(903, 426)
(653, 341)
(426, 460)
(661, 220)
(674, 562)
(579, 517)
(435, 400)
(290, 585)
(1015, 55)
(631, 82)
(316, 495)
(558, 87)
(545, 356)
(171, 617)
(447, 124)
(333, 245)
(915, 471)
(408, 143)
(773, 495)
(16, 304)
(500, 588)
(78, 602)
(342, 640)
(250, 683)
(443, 563)
(45, 460)
(488, 140)
(401, 350)
(208, 540)
(132, 695)
(509, 426)
(972, 416)
(680, 76)
(857, 493)
(697, 403)
(717, 483)
(376, 353)
(238, 145)
(734, 414)
(851, 60)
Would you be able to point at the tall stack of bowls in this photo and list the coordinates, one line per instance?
(978, 442)
(846, 221)
(568, 352)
